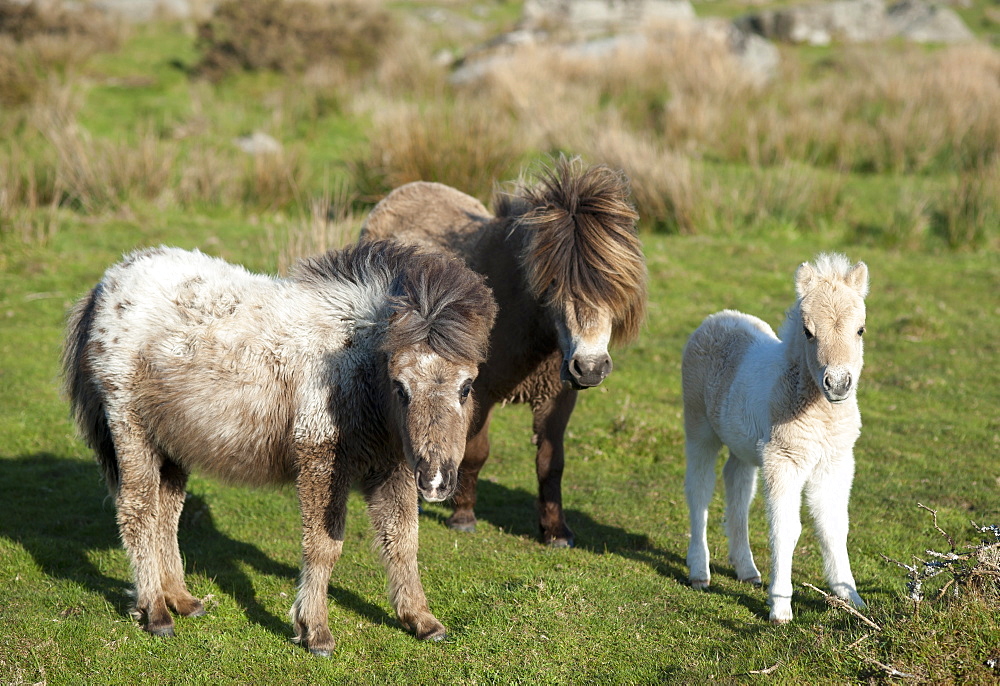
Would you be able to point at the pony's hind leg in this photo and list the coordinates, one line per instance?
(701, 447)
(138, 510)
(392, 506)
(173, 480)
(740, 479)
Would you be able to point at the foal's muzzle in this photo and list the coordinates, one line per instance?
(838, 384)
(586, 371)
(437, 482)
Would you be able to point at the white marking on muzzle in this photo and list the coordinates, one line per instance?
(436, 481)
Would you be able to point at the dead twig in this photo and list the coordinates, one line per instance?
(951, 541)
(766, 670)
(840, 604)
(889, 670)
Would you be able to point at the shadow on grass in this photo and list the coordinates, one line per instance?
(514, 511)
(59, 510)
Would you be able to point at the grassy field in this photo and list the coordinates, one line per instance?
(127, 149)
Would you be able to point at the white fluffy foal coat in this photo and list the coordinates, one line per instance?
(786, 405)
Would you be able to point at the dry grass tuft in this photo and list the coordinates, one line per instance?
(330, 225)
(288, 36)
(466, 146)
(39, 40)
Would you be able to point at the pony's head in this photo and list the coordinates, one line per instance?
(438, 335)
(582, 259)
(832, 307)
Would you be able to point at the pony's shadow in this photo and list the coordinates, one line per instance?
(513, 510)
(59, 511)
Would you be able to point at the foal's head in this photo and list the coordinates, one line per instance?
(832, 306)
(583, 259)
(437, 337)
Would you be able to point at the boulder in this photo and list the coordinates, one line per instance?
(588, 17)
(858, 21)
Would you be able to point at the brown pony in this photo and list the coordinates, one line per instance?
(563, 258)
(356, 369)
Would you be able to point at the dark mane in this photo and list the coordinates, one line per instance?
(438, 301)
(581, 240)
(434, 299)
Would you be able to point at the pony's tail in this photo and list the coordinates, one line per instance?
(84, 395)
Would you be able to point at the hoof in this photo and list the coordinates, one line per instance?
(463, 524)
(320, 652)
(435, 633)
(161, 631)
(560, 542)
(700, 584)
(753, 581)
(777, 621)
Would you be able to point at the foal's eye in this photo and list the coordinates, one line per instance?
(861, 331)
(404, 395)
(807, 332)
(466, 390)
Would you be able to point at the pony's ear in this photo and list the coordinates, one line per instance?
(857, 278)
(805, 276)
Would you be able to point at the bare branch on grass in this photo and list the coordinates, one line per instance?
(840, 604)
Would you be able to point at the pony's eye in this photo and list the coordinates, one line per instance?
(466, 390)
(861, 331)
(807, 332)
(404, 395)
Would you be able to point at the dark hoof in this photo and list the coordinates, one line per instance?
(438, 633)
(466, 525)
(197, 612)
(161, 631)
(320, 652)
(560, 543)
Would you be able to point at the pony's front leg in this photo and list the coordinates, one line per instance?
(477, 449)
(740, 479)
(322, 495)
(783, 483)
(550, 420)
(392, 506)
(827, 493)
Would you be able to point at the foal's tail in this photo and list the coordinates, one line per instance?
(80, 386)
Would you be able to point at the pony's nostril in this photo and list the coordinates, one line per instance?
(827, 384)
(847, 382)
(606, 366)
(574, 368)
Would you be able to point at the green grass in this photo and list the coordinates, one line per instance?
(614, 609)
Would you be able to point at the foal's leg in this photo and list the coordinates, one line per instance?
(322, 492)
(173, 479)
(477, 449)
(138, 509)
(783, 483)
(827, 494)
(740, 479)
(550, 419)
(701, 447)
(392, 506)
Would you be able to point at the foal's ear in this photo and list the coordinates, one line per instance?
(805, 276)
(857, 278)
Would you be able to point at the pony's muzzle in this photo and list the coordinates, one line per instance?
(437, 482)
(838, 384)
(586, 371)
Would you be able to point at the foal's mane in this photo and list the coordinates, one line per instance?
(433, 299)
(830, 268)
(582, 243)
